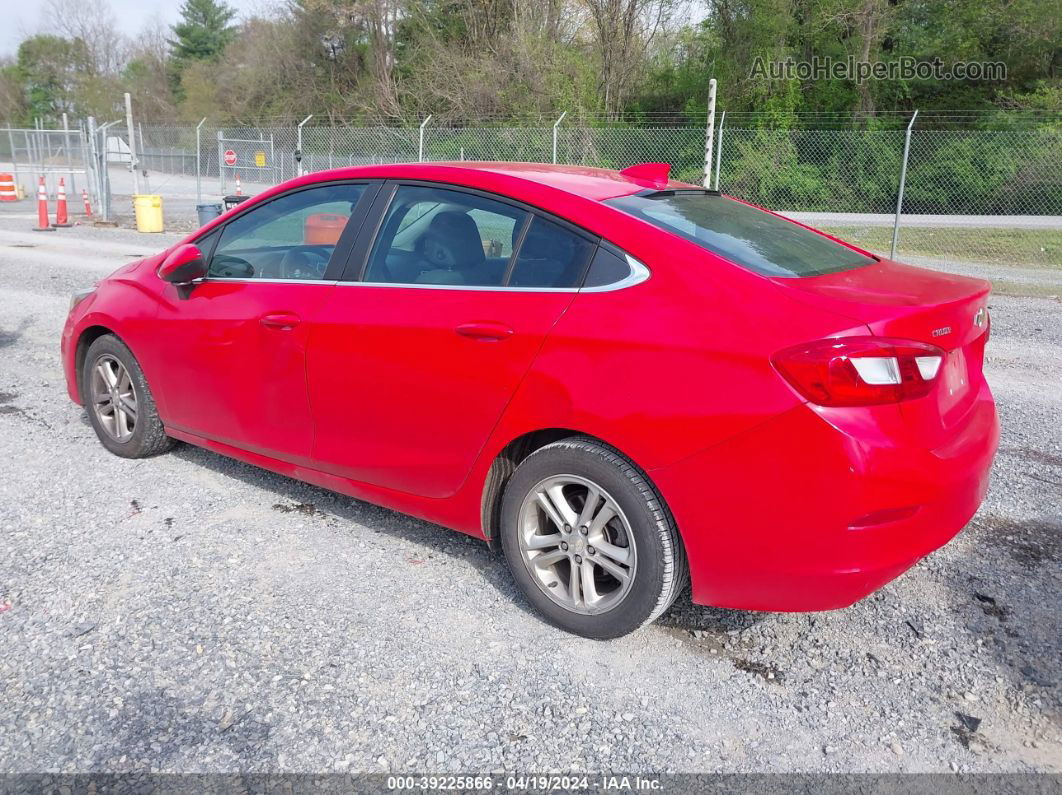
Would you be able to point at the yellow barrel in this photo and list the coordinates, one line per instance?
(148, 209)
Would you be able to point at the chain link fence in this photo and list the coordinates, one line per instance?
(990, 196)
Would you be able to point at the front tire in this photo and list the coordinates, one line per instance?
(119, 403)
(589, 540)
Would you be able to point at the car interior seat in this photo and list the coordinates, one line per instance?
(451, 250)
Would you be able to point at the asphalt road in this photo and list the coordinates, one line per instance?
(191, 613)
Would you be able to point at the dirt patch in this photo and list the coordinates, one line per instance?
(764, 670)
(990, 607)
(1029, 543)
(16, 411)
(966, 730)
(305, 508)
(1034, 456)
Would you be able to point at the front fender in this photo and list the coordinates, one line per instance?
(121, 305)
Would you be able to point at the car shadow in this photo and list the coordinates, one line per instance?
(314, 501)
(296, 496)
(685, 615)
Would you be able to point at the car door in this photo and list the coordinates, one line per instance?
(414, 356)
(234, 343)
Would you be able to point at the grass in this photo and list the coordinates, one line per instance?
(1036, 248)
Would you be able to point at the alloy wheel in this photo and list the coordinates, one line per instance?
(577, 544)
(114, 399)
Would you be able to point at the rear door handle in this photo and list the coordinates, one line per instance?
(485, 331)
(282, 321)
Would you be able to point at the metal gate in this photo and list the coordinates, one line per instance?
(253, 159)
(52, 154)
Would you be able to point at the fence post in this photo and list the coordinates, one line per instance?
(14, 157)
(221, 160)
(709, 135)
(903, 179)
(94, 174)
(719, 149)
(298, 145)
(69, 157)
(420, 148)
(143, 154)
(556, 124)
(133, 164)
(198, 163)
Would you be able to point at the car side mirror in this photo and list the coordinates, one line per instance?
(183, 265)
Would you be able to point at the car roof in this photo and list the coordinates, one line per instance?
(596, 184)
(591, 183)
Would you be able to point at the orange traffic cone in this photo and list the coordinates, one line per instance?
(61, 217)
(88, 206)
(42, 209)
(239, 190)
(8, 192)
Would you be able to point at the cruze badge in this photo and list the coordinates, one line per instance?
(980, 317)
(940, 332)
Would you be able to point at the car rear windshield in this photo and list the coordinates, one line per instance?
(746, 236)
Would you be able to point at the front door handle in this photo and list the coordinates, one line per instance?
(281, 321)
(494, 332)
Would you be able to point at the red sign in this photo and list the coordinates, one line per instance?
(230, 157)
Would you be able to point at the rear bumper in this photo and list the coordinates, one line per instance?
(788, 516)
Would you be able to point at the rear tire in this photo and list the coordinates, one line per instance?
(600, 571)
(120, 405)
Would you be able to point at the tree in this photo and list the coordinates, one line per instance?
(147, 77)
(13, 108)
(370, 26)
(203, 32)
(624, 30)
(92, 22)
(49, 68)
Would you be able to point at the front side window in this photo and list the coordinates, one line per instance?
(444, 237)
(744, 235)
(292, 237)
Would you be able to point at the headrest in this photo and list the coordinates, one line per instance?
(452, 239)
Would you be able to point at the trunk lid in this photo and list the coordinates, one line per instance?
(942, 309)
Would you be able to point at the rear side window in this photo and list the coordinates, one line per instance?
(606, 268)
(444, 237)
(751, 238)
(550, 256)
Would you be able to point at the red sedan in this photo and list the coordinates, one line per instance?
(626, 381)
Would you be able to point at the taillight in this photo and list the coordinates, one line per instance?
(860, 371)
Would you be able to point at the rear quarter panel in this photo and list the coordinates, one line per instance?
(666, 368)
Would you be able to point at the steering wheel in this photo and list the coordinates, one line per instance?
(305, 262)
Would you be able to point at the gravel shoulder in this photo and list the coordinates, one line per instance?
(189, 613)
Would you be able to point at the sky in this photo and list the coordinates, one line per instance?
(19, 19)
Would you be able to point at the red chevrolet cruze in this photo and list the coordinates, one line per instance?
(625, 380)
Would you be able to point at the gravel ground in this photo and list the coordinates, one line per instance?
(191, 613)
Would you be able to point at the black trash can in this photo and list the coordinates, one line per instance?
(207, 212)
(232, 201)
